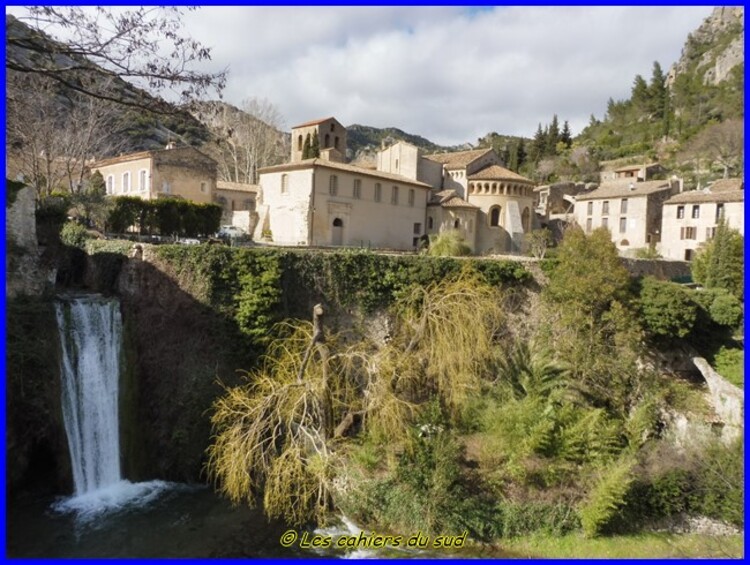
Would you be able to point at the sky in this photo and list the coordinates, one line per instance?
(450, 74)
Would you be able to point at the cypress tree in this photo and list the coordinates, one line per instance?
(315, 147)
(565, 136)
(306, 147)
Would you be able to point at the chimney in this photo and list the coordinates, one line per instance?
(171, 145)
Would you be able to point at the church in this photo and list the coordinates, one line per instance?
(325, 201)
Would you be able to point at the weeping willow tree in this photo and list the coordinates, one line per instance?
(282, 433)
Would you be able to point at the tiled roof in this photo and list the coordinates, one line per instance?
(626, 168)
(314, 122)
(239, 186)
(496, 172)
(146, 154)
(621, 189)
(707, 195)
(724, 185)
(449, 199)
(457, 158)
(342, 167)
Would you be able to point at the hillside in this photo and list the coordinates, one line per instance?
(136, 128)
(365, 141)
(666, 112)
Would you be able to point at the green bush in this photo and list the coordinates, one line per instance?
(449, 244)
(74, 235)
(730, 364)
(666, 308)
(718, 487)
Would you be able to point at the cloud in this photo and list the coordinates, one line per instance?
(450, 74)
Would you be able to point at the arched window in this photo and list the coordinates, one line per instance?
(457, 224)
(495, 216)
(429, 222)
(328, 140)
(110, 184)
(299, 143)
(336, 142)
(338, 223)
(284, 183)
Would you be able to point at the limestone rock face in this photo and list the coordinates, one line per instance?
(715, 48)
(25, 275)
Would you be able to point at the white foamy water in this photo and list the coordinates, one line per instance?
(91, 333)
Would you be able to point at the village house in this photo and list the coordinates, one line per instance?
(176, 172)
(631, 211)
(689, 219)
(636, 173)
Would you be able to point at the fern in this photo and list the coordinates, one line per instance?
(607, 496)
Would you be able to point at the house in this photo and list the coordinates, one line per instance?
(182, 172)
(690, 218)
(636, 173)
(632, 211)
(237, 201)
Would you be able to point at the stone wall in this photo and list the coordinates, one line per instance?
(24, 273)
(658, 268)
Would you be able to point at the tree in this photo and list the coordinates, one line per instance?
(640, 95)
(566, 136)
(306, 147)
(85, 49)
(553, 136)
(315, 147)
(658, 93)
(720, 264)
(245, 139)
(721, 143)
(667, 308)
(539, 241)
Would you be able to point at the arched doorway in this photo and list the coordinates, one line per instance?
(526, 220)
(337, 232)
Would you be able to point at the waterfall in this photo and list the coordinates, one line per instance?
(91, 335)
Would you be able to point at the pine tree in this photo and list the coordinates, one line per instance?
(658, 92)
(306, 147)
(640, 95)
(521, 154)
(565, 136)
(721, 263)
(553, 136)
(538, 144)
(315, 147)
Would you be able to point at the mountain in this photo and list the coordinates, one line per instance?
(364, 141)
(137, 128)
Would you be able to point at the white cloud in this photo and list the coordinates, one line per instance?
(450, 74)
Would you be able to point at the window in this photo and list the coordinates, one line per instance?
(457, 224)
(397, 164)
(430, 222)
(284, 183)
(110, 184)
(687, 233)
(495, 216)
(333, 127)
(166, 188)
(333, 185)
(680, 212)
(415, 242)
(696, 211)
(299, 143)
(605, 207)
(328, 140)
(623, 225)
(588, 225)
(126, 182)
(605, 223)
(336, 142)
(719, 212)
(378, 192)
(204, 187)
(417, 229)
(688, 255)
(624, 206)
(710, 233)
(411, 197)
(394, 195)
(357, 189)
(142, 180)
(590, 208)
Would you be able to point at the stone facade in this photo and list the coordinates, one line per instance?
(237, 201)
(690, 218)
(182, 172)
(24, 272)
(331, 139)
(631, 211)
(324, 203)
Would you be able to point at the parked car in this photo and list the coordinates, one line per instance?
(188, 241)
(230, 232)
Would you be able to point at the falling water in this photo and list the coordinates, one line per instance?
(91, 333)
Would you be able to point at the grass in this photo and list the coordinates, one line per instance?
(729, 363)
(652, 545)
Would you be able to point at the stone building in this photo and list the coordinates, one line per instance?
(331, 139)
(631, 211)
(237, 201)
(182, 172)
(690, 218)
